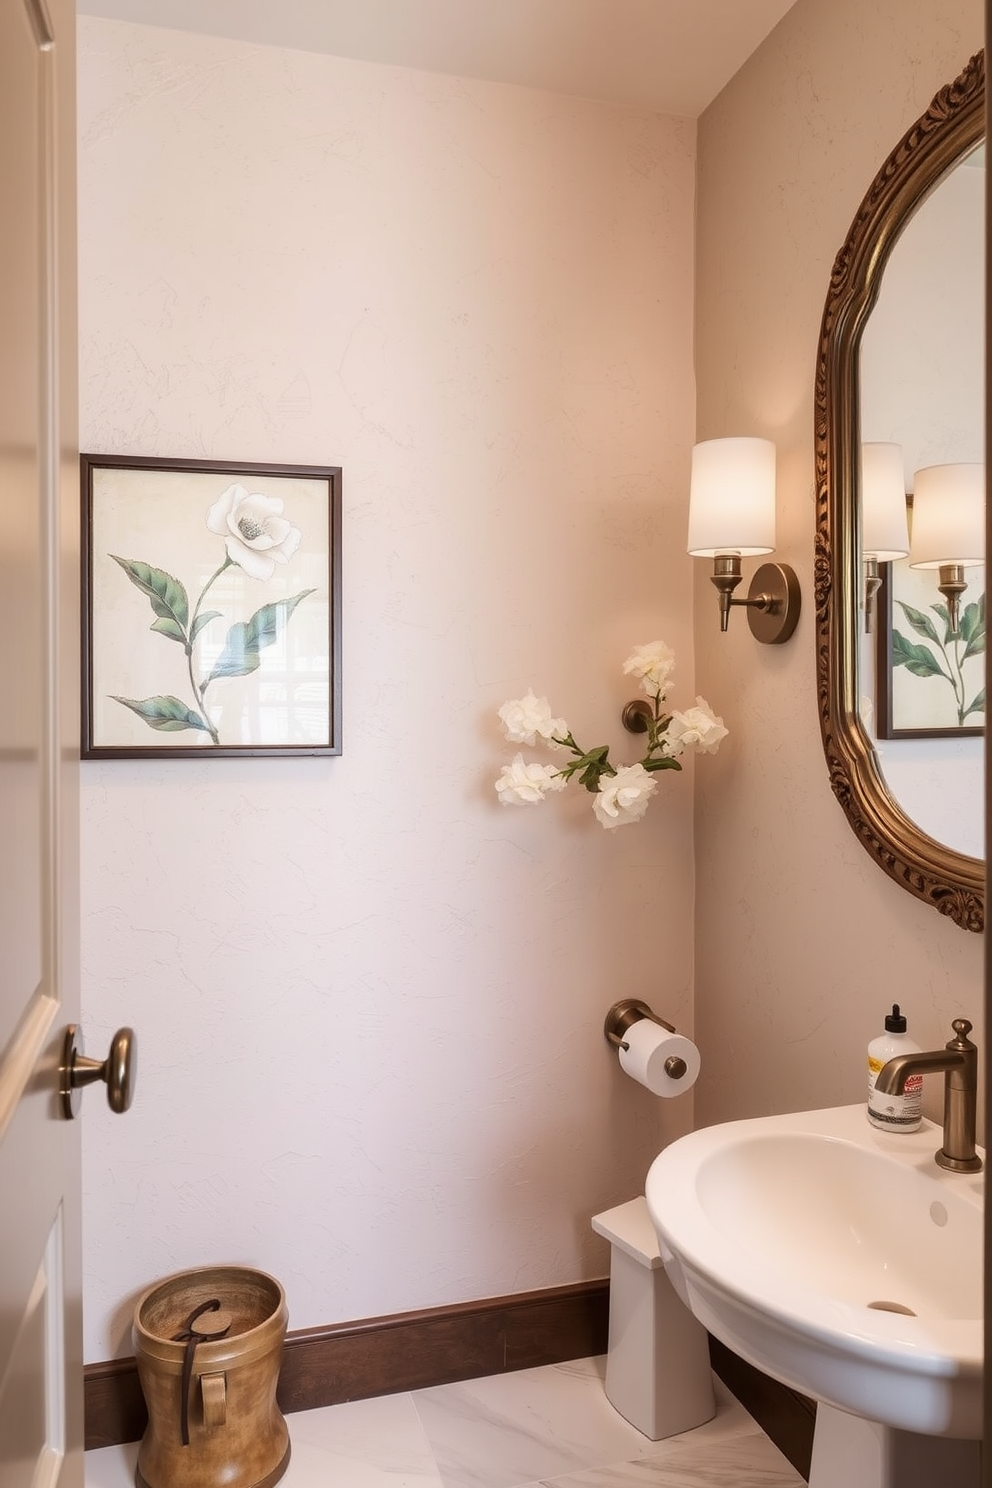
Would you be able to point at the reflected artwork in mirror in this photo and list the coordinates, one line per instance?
(903, 371)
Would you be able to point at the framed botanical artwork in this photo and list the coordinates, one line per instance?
(931, 684)
(211, 608)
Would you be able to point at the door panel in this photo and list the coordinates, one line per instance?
(40, 1312)
(21, 592)
(31, 1405)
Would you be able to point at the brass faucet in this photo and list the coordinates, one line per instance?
(959, 1061)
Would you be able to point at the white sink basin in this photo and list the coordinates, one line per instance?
(835, 1257)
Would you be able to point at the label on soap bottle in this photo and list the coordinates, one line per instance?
(894, 1112)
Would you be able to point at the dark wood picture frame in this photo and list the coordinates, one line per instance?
(210, 574)
(887, 708)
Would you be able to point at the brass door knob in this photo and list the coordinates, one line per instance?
(118, 1070)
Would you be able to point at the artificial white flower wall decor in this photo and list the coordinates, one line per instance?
(620, 793)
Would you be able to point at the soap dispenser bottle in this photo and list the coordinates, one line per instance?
(896, 1113)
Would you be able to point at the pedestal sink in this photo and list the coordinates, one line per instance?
(844, 1262)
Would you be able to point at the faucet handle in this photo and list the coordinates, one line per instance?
(962, 1028)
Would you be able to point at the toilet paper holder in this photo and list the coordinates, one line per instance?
(631, 1010)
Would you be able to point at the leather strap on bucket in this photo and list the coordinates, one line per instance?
(191, 1338)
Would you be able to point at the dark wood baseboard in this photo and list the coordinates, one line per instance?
(440, 1345)
(380, 1356)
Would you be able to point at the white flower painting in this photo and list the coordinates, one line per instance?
(219, 632)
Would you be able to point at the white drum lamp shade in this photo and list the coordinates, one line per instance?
(732, 498)
(948, 516)
(884, 526)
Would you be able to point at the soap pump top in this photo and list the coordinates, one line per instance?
(895, 1022)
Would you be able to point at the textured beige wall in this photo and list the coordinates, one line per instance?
(370, 998)
(801, 941)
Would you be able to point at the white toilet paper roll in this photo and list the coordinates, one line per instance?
(650, 1047)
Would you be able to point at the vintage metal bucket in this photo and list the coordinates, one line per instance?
(208, 1345)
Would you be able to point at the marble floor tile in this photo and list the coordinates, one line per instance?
(538, 1428)
(110, 1467)
(747, 1461)
(536, 1424)
(362, 1444)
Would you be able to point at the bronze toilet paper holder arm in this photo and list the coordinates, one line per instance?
(631, 1010)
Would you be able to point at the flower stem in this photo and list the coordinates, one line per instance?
(198, 695)
(203, 592)
(657, 726)
(198, 690)
(959, 692)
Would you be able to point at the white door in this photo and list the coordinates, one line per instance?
(40, 1310)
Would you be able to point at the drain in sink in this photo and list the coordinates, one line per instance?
(892, 1307)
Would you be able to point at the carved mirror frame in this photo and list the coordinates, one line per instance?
(952, 882)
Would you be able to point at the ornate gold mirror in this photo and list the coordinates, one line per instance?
(949, 879)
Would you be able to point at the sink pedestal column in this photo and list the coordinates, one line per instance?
(864, 1454)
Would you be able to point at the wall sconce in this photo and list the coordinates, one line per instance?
(732, 516)
(884, 523)
(949, 527)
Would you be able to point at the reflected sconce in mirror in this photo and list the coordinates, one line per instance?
(949, 528)
(884, 524)
(732, 516)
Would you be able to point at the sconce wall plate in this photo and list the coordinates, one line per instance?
(636, 716)
(774, 601)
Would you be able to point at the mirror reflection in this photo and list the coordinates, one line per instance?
(922, 630)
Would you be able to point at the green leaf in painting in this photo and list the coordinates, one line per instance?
(921, 623)
(665, 762)
(167, 714)
(201, 621)
(238, 658)
(977, 705)
(945, 615)
(168, 596)
(171, 629)
(973, 629)
(919, 660)
(247, 639)
(969, 621)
